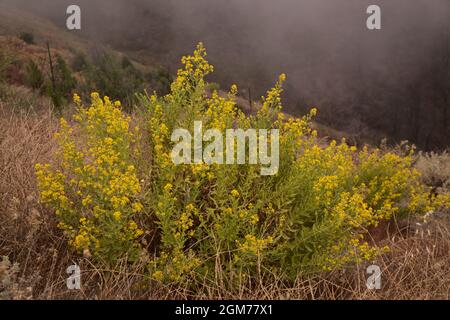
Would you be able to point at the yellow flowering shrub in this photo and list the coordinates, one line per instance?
(213, 221)
(313, 215)
(95, 189)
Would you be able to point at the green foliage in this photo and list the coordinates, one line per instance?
(58, 85)
(224, 222)
(80, 62)
(160, 80)
(34, 77)
(64, 83)
(27, 37)
(213, 86)
(126, 63)
(313, 215)
(96, 191)
(114, 78)
(5, 62)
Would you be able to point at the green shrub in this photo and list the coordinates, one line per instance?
(213, 86)
(126, 63)
(60, 87)
(160, 80)
(80, 62)
(34, 77)
(114, 78)
(96, 193)
(65, 82)
(216, 222)
(313, 215)
(27, 37)
(5, 62)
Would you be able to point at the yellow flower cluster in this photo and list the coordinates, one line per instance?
(160, 136)
(95, 193)
(253, 245)
(353, 250)
(313, 215)
(221, 112)
(271, 108)
(191, 76)
(309, 216)
(174, 267)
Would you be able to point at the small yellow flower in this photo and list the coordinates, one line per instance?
(158, 275)
(117, 215)
(168, 187)
(76, 98)
(255, 219)
(163, 128)
(235, 193)
(137, 207)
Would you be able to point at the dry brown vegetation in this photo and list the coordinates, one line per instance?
(417, 266)
(23, 53)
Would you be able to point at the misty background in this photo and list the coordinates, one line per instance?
(392, 83)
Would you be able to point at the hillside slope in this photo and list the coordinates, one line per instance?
(69, 44)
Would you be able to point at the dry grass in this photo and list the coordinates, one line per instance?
(416, 268)
(435, 168)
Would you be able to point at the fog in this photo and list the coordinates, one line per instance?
(382, 82)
